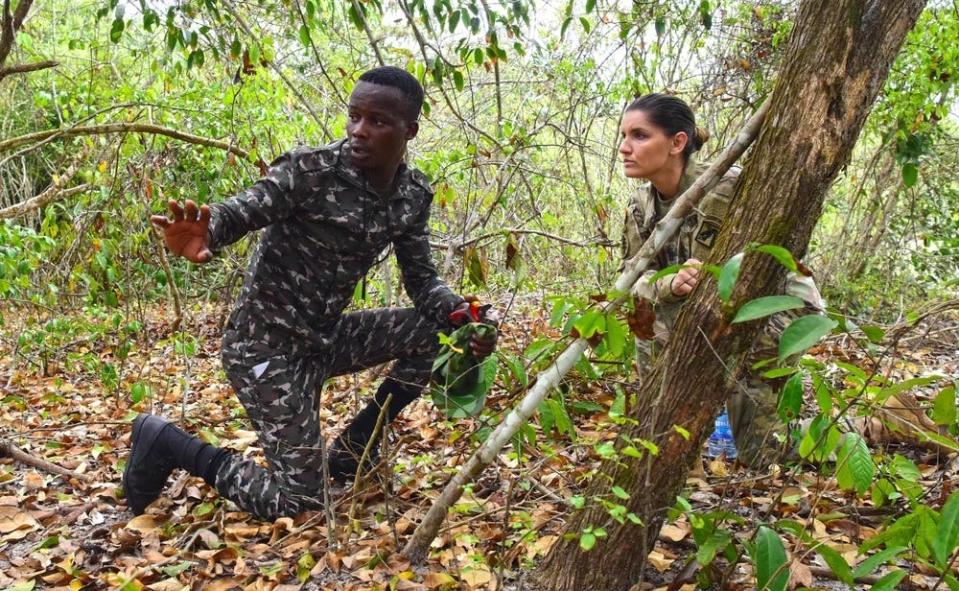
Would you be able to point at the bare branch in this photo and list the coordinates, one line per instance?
(110, 128)
(53, 192)
(24, 68)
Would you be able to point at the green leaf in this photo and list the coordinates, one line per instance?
(766, 306)
(670, 270)
(660, 26)
(779, 253)
(817, 443)
(590, 323)
(116, 30)
(947, 535)
(615, 336)
(889, 581)
(305, 35)
(910, 174)
(854, 466)
(590, 5)
(802, 333)
(770, 558)
(586, 541)
(869, 565)
(711, 546)
(458, 80)
(619, 492)
(139, 392)
(837, 564)
(790, 401)
(873, 333)
(944, 407)
(728, 277)
(176, 569)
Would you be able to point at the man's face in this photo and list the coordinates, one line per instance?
(378, 127)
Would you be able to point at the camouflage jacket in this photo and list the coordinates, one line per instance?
(323, 229)
(695, 239)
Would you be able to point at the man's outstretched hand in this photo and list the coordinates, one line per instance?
(471, 311)
(186, 233)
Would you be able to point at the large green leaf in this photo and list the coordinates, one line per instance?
(803, 333)
(766, 306)
(947, 535)
(772, 572)
(854, 466)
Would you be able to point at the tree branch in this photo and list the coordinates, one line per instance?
(15, 453)
(10, 25)
(24, 68)
(369, 33)
(52, 193)
(110, 128)
(459, 246)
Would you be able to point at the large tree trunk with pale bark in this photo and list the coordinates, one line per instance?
(836, 63)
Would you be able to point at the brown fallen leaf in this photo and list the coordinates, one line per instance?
(674, 532)
(659, 561)
(440, 581)
(799, 575)
(16, 523)
(142, 524)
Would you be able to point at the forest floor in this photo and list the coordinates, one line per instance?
(76, 532)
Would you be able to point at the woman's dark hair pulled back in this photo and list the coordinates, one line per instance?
(672, 115)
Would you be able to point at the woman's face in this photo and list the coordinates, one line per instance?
(645, 147)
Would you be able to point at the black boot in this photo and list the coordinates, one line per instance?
(157, 446)
(346, 451)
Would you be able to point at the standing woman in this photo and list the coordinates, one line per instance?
(659, 142)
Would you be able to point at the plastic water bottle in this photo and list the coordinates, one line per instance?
(721, 441)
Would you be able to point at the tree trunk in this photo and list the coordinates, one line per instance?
(839, 56)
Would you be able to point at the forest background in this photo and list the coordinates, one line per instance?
(124, 105)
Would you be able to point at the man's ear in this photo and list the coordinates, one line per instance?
(412, 128)
(680, 140)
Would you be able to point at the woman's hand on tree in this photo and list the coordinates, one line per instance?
(186, 233)
(687, 278)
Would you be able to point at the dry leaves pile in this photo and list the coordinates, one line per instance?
(76, 533)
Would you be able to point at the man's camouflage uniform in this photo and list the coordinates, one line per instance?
(752, 408)
(324, 227)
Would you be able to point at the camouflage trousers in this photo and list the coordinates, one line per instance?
(757, 430)
(281, 397)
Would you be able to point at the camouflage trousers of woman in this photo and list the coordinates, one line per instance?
(281, 395)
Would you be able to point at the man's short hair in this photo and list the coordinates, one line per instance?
(403, 81)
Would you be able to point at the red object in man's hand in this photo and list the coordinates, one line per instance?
(472, 311)
(468, 311)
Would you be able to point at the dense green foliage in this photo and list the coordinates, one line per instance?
(519, 138)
